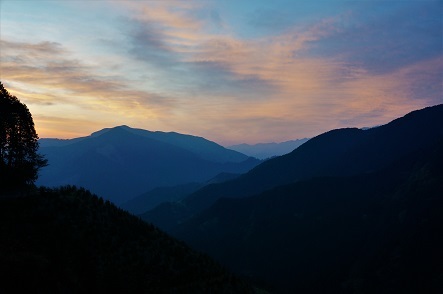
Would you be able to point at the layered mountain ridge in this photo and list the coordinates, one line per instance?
(342, 152)
(121, 163)
(349, 211)
(376, 232)
(268, 150)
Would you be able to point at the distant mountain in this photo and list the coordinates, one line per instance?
(69, 241)
(376, 232)
(54, 142)
(342, 152)
(268, 150)
(199, 146)
(156, 196)
(121, 163)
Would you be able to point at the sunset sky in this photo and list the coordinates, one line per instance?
(230, 71)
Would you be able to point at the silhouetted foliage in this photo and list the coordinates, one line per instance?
(19, 160)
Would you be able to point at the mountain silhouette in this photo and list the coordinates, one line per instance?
(342, 152)
(205, 149)
(376, 232)
(121, 163)
(268, 150)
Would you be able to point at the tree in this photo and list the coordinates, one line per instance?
(19, 160)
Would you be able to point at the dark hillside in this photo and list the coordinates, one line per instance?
(161, 195)
(376, 232)
(69, 241)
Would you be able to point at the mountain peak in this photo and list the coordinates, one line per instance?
(123, 162)
(125, 127)
(113, 129)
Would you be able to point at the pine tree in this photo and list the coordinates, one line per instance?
(19, 160)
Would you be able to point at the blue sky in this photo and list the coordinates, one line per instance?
(230, 71)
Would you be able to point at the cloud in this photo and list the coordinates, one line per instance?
(391, 94)
(313, 92)
(179, 56)
(220, 64)
(42, 49)
(149, 43)
(48, 66)
(64, 127)
(277, 84)
(404, 33)
(216, 19)
(46, 78)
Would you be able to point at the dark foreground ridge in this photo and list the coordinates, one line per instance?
(70, 241)
(377, 232)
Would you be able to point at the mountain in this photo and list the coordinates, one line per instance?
(122, 163)
(268, 150)
(376, 232)
(156, 196)
(342, 152)
(67, 240)
(205, 149)
(54, 142)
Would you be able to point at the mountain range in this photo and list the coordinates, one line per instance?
(268, 150)
(121, 163)
(159, 195)
(376, 232)
(341, 152)
(349, 211)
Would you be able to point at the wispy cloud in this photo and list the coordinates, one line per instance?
(49, 65)
(175, 46)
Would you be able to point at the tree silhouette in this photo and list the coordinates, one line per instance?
(19, 160)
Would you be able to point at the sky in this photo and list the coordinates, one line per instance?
(230, 71)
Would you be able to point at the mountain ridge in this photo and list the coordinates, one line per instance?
(373, 232)
(341, 152)
(121, 163)
(268, 150)
(159, 195)
(195, 144)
